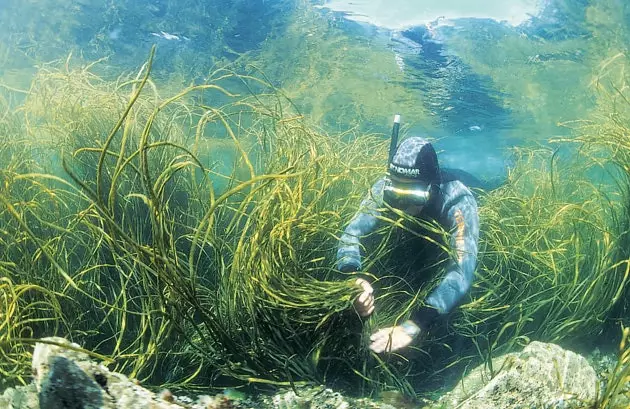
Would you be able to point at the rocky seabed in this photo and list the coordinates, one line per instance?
(540, 376)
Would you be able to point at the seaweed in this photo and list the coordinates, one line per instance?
(188, 267)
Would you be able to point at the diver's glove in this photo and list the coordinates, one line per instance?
(364, 303)
(394, 338)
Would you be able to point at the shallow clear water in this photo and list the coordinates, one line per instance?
(491, 75)
(479, 77)
(402, 14)
(487, 75)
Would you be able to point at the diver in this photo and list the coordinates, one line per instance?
(416, 186)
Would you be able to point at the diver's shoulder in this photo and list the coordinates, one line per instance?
(455, 188)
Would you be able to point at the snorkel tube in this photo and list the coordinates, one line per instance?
(394, 141)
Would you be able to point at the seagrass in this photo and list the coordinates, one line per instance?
(190, 238)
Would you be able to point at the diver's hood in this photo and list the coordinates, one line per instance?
(415, 159)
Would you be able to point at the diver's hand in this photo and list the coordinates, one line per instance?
(364, 304)
(394, 338)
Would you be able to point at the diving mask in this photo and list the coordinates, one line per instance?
(401, 198)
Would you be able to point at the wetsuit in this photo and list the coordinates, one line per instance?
(455, 208)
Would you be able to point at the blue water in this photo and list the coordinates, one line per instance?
(468, 114)
(468, 117)
(472, 121)
(474, 116)
(479, 100)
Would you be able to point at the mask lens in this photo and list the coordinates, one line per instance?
(401, 197)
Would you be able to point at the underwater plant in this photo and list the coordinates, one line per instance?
(618, 379)
(550, 258)
(190, 237)
(157, 252)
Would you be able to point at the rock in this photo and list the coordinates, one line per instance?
(66, 378)
(317, 397)
(541, 376)
(67, 386)
(22, 397)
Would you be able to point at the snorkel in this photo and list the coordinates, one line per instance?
(393, 143)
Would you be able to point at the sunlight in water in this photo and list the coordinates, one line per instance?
(399, 14)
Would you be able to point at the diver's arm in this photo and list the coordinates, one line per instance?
(363, 223)
(459, 214)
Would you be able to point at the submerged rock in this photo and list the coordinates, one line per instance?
(318, 398)
(22, 397)
(67, 386)
(541, 376)
(66, 378)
